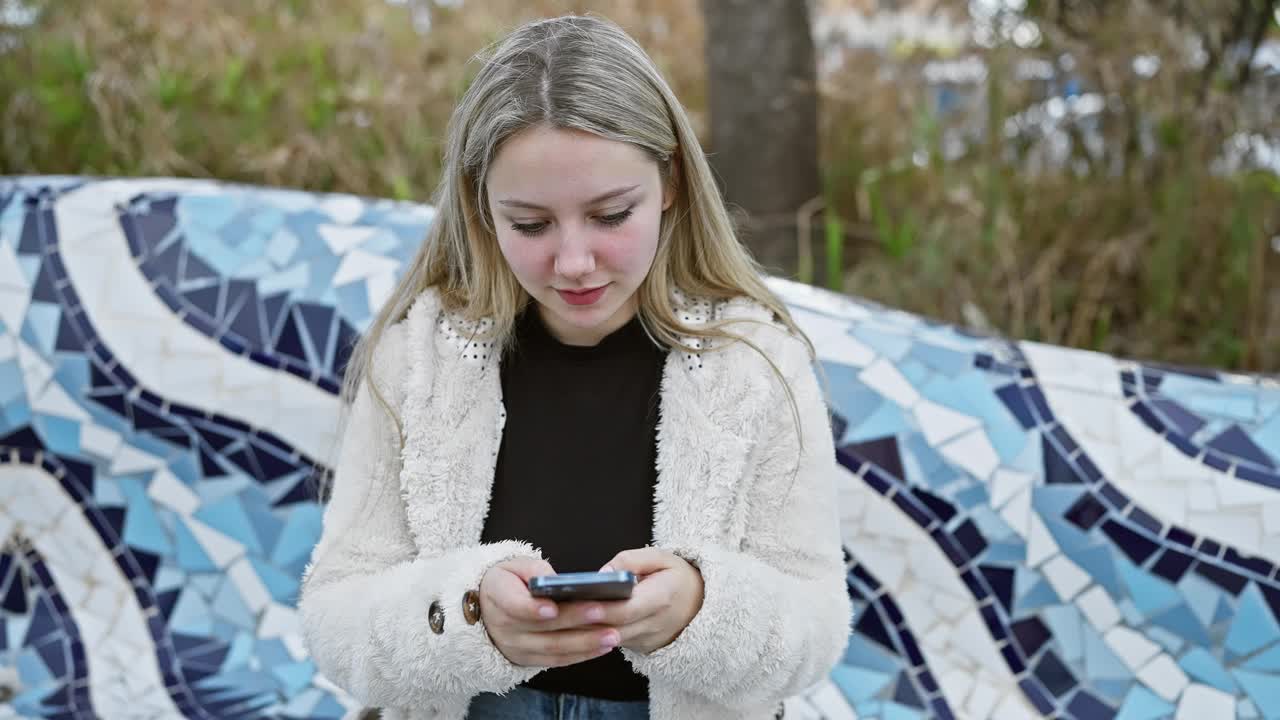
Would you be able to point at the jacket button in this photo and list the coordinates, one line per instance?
(435, 618)
(471, 607)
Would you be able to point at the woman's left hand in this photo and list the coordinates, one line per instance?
(664, 602)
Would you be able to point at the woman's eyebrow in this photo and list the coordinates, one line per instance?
(512, 202)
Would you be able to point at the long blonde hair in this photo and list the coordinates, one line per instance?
(581, 73)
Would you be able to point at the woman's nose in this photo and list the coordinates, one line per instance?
(574, 257)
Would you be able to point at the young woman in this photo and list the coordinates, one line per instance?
(581, 369)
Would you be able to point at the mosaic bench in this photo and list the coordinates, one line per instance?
(1031, 531)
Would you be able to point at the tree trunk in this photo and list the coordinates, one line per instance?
(764, 119)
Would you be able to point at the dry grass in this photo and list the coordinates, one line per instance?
(1161, 260)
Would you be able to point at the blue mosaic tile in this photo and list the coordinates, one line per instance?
(256, 273)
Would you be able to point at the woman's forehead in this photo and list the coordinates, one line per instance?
(566, 167)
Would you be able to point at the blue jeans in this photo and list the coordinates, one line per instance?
(529, 704)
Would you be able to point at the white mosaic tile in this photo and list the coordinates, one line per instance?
(343, 239)
(1164, 677)
(1098, 607)
(1131, 647)
(166, 489)
(832, 339)
(1201, 702)
(222, 550)
(1040, 544)
(830, 703)
(883, 377)
(981, 702)
(99, 441)
(941, 423)
(974, 453)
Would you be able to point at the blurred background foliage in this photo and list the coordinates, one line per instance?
(1080, 172)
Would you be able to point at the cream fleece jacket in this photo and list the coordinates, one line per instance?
(738, 495)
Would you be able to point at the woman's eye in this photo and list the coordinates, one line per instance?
(616, 218)
(529, 229)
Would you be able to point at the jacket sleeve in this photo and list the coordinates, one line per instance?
(775, 613)
(366, 592)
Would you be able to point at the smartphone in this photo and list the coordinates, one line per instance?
(584, 586)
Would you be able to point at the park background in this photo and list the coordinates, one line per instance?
(1078, 172)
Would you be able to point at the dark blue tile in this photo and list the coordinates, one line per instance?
(1254, 564)
(1000, 579)
(927, 682)
(905, 692)
(1148, 418)
(872, 626)
(1088, 468)
(913, 509)
(1064, 440)
(1036, 397)
(1182, 421)
(983, 361)
(976, 586)
(1180, 536)
(1235, 443)
(232, 344)
(912, 649)
(891, 610)
(991, 618)
(1031, 634)
(275, 310)
(1145, 520)
(1086, 512)
(318, 321)
(1151, 378)
(1223, 578)
(1209, 547)
(969, 537)
(1012, 397)
(881, 452)
(940, 709)
(1133, 544)
(864, 577)
(940, 507)
(1058, 470)
(1185, 446)
(1113, 497)
(950, 548)
(1172, 565)
(164, 262)
(195, 270)
(248, 323)
(1244, 472)
(206, 299)
(1214, 460)
(15, 598)
(1037, 696)
(1055, 674)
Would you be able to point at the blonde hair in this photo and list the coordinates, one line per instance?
(581, 73)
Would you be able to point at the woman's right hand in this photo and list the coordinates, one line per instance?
(534, 632)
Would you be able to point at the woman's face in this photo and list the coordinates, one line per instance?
(577, 219)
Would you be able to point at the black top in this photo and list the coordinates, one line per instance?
(576, 469)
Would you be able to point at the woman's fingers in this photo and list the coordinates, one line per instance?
(565, 647)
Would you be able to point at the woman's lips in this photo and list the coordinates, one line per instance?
(583, 297)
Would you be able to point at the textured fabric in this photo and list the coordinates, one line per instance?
(740, 494)
(529, 704)
(576, 471)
